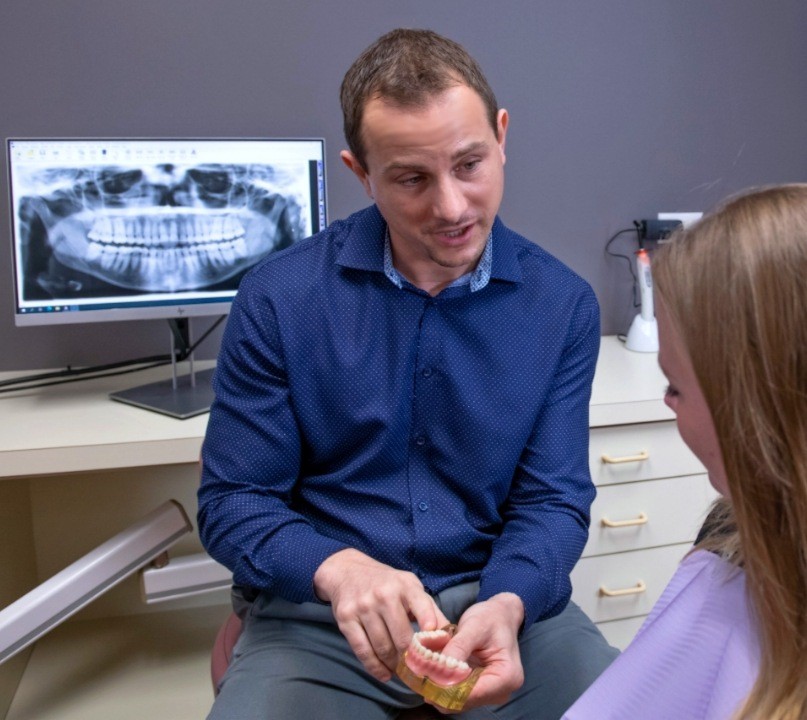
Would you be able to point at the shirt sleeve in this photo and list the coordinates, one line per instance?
(251, 461)
(547, 515)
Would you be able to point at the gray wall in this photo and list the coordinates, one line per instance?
(618, 110)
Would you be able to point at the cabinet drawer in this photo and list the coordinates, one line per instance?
(627, 453)
(647, 514)
(652, 569)
(619, 633)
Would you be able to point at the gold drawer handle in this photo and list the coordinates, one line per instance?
(641, 520)
(640, 588)
(639, 457)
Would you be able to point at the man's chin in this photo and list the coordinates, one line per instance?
(464, 259)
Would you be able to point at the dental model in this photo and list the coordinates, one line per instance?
(439, 678)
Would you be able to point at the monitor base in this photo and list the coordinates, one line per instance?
(182, 397)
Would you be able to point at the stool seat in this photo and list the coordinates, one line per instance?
(223, 649)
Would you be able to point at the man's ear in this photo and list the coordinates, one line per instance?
(502, 121)
(349, 159)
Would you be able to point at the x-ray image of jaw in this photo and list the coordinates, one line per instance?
(157, 228)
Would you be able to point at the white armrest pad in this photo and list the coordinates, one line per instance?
(182, 577)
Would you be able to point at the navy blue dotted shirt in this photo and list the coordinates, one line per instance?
(443, 435)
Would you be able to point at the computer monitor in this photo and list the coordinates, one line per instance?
(106, 229)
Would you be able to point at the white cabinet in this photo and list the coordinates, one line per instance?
(652, 495)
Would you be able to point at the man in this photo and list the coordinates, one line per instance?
(400, 430)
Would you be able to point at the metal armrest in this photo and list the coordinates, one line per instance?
(64, 594)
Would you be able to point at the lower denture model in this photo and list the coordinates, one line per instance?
(439, 678)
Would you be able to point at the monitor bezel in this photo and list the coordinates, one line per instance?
(152, 310)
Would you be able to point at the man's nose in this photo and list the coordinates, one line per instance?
(449, 200)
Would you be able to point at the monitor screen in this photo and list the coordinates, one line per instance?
(116, 229)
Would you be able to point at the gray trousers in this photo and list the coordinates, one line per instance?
(292, 662)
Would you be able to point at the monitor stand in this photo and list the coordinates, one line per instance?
(181, 396)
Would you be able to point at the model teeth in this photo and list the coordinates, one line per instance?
(439, 658)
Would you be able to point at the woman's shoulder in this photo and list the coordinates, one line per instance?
(696, 655)
(702, 580)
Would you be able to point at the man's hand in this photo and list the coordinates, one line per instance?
(488, 630)
(374, 605)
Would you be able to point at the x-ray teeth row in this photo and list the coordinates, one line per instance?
(163, 228)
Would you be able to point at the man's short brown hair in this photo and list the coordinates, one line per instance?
(408, 68)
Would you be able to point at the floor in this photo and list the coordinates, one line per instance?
(144, 667)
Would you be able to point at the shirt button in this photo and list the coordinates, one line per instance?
(427, 372)
(420, 440)
(423, 506)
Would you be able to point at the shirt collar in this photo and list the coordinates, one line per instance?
(362, 247)
(477, 278)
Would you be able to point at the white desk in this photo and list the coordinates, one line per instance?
(76, 467)
(75, 427)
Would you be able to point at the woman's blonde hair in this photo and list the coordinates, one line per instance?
(735, 285)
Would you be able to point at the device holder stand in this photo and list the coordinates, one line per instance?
(642, 335)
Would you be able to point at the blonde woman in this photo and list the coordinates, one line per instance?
(728, 638)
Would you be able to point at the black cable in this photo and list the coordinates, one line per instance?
(636, 228)
(195, 345)
(93, 372)
(70, 372)
(72, 379)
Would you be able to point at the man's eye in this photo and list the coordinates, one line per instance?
(471, 165)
